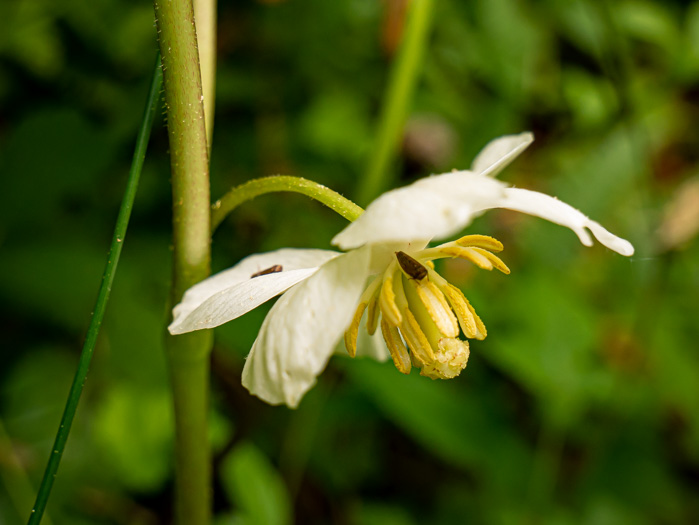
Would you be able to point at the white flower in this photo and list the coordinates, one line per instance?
(421, 315)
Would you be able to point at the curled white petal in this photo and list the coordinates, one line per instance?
(556, 211)
(433, 207)
(234, 301)
(232, 293)
(301, 330)
(499, 153)
(442, 205)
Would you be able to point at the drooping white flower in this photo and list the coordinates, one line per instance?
(420, 314)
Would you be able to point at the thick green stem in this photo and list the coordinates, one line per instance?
(188, 355)
(397, 99)
(257, 187)
(188, 359)
(189, 159)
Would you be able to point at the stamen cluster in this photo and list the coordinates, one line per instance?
(421, 314)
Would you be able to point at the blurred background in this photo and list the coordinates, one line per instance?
(581, 406)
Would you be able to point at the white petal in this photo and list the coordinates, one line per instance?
(231, 293)
(433, 207)
(236, 300)
(551, 209)
(498, 153)
(301, 330)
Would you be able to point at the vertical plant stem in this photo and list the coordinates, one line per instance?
(397, 99)
(205, 17)
(102, 298)
(188, 355)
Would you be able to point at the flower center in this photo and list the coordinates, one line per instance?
(421, 314)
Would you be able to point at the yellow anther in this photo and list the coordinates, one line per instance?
(415, 361)
(387, 303)
(470, 323)
(372, 315)
(352, 331)
(420, 313)
(371, 297)
(494, 260)
(482, 333)
(480, 241)
(395, 345)
(438, 307)
(449, 361)
(416, 339)
(469, 254)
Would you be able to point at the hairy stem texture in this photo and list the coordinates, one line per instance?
(188, 355)
(256, 187)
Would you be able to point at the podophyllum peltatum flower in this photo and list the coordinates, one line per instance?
(386, 276)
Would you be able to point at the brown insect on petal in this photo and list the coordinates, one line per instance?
(411, 267)
(272, 269)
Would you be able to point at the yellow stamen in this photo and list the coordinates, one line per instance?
(458, 302)
(352, 331)
(471, 324)
(395, 345)
(416, 339)
(410, 328)
(415, 361)
(494, 260)
(372, 315)
(437, 307)
(482, 333)
(469, 254)
(387, 298)
(481, 241)
(371, 297)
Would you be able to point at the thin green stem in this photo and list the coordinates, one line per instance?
(256, 187)
(102, 298)
(188, 355)
(397, 99)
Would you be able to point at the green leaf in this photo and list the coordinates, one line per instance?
(463, 427)
(134, 430)
(255, 487)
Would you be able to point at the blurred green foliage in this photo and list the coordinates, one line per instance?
(582, 405)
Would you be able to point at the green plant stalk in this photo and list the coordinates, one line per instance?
(205, 16)
(256, 187)
(397, 99)
(102, 298)
(188, 355)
